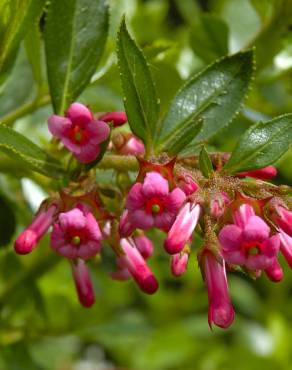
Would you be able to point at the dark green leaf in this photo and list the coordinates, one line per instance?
(75, 35)
(205, 163)
(261, 145)
(33, 46)
(16, 18)
(7, 221)
(214, 96)
(209, 37)
(141, 103)
(19, 147)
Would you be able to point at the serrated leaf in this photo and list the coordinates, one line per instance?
(141, 103)
(19, 147)
(214, 96)
(261, 145)
(75, 36)
(205, 163)
(209, 37)
(16, 18)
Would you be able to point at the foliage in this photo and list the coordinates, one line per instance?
(183, 72)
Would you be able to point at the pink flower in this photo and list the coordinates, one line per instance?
(125, 226)
(135, 264)
(221, 312)
(133, 146)
(274, 271)
(79, 132)
(286, 247)
(144, 245)
(76, 234)
(187, 184)
(150, 204)
(265, 173)
(283, 217)
(29, 238)
(182, 228)
(118, 118)
(247, 241)
(218, 204)
(179, 263)
(83, 283)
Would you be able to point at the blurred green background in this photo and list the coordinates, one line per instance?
(42, 325)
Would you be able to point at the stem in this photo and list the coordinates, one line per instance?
(119, 163)
(25, 109)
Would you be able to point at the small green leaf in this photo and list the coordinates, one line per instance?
(16, 18)
(141, 103)
(20, 148)
(75, 36)
(205, 163)
(209, 37)
(261, 145)
(214, 96)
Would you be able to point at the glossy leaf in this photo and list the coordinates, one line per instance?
(141, 103)
(209, 37)
(213, 96)
(16, 18)
(19, 147)
(75, 35)
(262, 144)
(205, 163)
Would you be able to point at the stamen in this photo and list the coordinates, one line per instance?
(155, 208)
(76, 240)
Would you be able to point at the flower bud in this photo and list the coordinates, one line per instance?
(218, 204)
(118, 118)
(29, 238)
(182, 228)
(265, 173)
(83, 283)
(286, 247)
(179, 263)
(221, 312)
(144, 245)
(187, 184)
(274, 272)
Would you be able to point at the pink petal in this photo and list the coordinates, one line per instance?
(230, 237)
(175, 200)
(141, 220)
(79, 114)
(274, 271)
(164, 220)
(255, 229)
(144, 246)
(258, 262)
(154, 185)
(68, 251)
(271, 246)
(59, 126)
(88, 153)
(99, 130)
(92, 228)
(57, 237)
(125, 226)
(121, 275)
(179, 263)
(135, 199)
(89, 249)
(242, 215)
(73, 219)
(286, 246)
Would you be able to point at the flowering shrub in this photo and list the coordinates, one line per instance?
(167, 177)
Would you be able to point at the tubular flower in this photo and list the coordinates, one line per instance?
(29, 238)
(179, 263)
(132, 262)
(221, 312)
(83, 283)
(182, 228)
(286, 246)
(79, 132)
(218, 204)
(187, 184)
(76, 234)
(274, 271)
(117, 118)
(247, 242)
(151, 204)
(265, 173)
(283, 218)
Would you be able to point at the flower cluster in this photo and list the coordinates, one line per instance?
(242, 225)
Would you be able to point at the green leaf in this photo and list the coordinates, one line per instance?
(16, 18)
(33, 46)
(205, 163)
(20, 148)
(261, 145)
(214, 96)
(209, 37)
(75, 36)
(141, 103)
